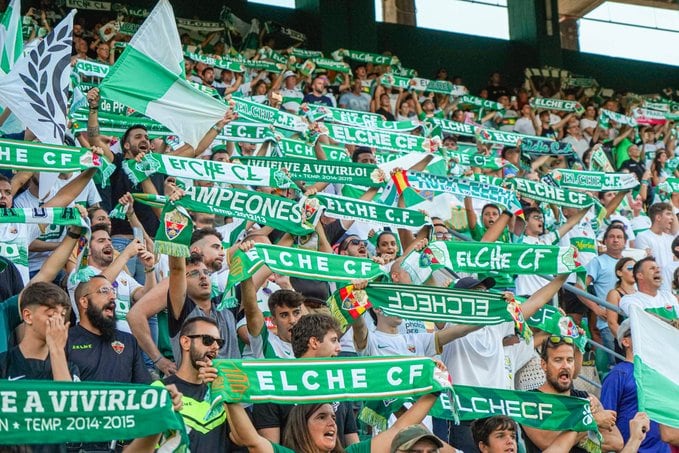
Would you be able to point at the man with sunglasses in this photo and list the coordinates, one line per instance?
(200, 341)
(558, 363)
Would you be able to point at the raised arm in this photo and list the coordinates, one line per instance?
(571, 222)
(542, 296)
(245, 431)
(93, 135)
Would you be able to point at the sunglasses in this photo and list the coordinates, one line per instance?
(554, 341)
(105, 290)
(354, 242)
(208, 340)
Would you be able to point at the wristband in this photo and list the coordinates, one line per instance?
(214, 126)
(149, 269)
(73, 235)
(645, 181)
(508, 213)
(158, 359)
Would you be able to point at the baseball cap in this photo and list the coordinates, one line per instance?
(287, 74)
(471, 282)
(408, 437)
(624, 330)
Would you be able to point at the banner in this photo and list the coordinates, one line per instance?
(300, 263)
(550, 320)
(474, 159)
(476, 101)
(255, 111)
(540, 191)
(544, 147)
(365, 57)
(606, 116)
(594, 180)
(346, 208)
(304, 150)
(535, 409)
(37, 157)
(303, 381)
(319, 170)
(356, 118)
(53, 412)
(524, 259)
(204, 170)
(462, 187)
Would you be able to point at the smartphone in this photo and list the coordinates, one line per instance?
(138, 234)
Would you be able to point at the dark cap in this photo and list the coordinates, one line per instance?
(408, 437)
(471, 283)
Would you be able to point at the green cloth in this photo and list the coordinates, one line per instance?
(620, 152)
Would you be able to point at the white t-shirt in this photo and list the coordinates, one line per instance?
(525, 126)
(586, 123)
(664, 299)
(583, 238)
(478, 359)
(274, 347)
(125, 286)
(580, 145)
(661, 249)
(381, 344)
(14, 240)
(530, 284)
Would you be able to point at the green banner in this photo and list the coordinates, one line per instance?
(550, 320)
(357, 118)
(301, 381)
(365, 57)
(547, 193)
(304, 150)
(346, 208)
(52, 412)
(544, 147)
(255, 111)
(473, 159)
(300, 263)
(378, 139)
(557, 104)
(476, 101)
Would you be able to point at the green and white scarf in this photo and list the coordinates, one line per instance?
(377, 139)
(474, 159)
(173, 236)
(304, 53)
(476, 101)
(550, 320)
(547, 193)
(327, 63)
(557, 104)
(535, 409)
(581, 82)
(52, 412)
(221, 63)
(278, 212)
(298, 148)
(461, 187)
(365, 57)
(36, 157)
(647, 116)
(301, 381)
(204, 170)
(594, 180)
(522, 259)
(300, 263)
(356, 118)
(435, 304)
(437, 86)
(248, 133)
(254, 111)
(319, 170)
(606, 116)
(86, 68)
(346, 208)
(268, 53)
(395, 80)
(538, 146)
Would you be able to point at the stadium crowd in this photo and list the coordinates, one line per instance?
(143, 316)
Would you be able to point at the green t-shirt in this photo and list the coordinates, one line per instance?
(361, 447)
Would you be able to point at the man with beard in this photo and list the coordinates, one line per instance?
(200, 341)
(558, 363)
(101, 261)
(102, 352)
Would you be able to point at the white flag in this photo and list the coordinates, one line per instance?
(11, 38)
(36, 89)
(149, 77)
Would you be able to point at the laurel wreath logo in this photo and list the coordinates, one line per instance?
(47, 103)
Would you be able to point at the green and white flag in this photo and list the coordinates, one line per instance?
(547, 193)
(356, 118)
(478, 102)
(557, 104)
(150, 78)
(594, 180)
(319, 170)
(52, 412)
(656, 368)
(37, 157)
(204, 170)
(300, 263)
(221, 63)
(301, 381)
(11, 37)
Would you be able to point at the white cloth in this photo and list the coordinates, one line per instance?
(525, 126)
(530, 284)
(14, 241)
(643, 300)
